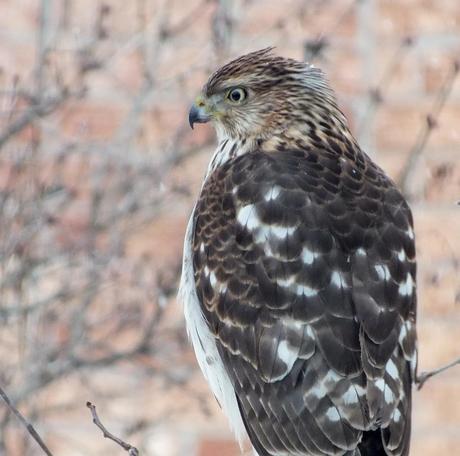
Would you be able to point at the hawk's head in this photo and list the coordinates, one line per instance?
(259, 95)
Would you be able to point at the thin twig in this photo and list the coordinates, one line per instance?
(30, 429)
(42, 47)
(132, 451)
(431, 122)
(375, 95)
(186, 21)
(424, 376)
(314, 48)
(42, 109)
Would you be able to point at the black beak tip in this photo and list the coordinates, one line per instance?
(193, 116)
(196, 115)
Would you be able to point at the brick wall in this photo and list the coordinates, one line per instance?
(122, 119)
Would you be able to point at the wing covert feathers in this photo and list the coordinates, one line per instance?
(304, 266)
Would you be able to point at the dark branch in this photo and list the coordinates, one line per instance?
(132, 451)
(424, 376)
(30, 429)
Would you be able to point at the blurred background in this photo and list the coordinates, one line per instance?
(99, 171)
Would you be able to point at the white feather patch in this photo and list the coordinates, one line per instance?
(204, 343)
(333, 414)
(273, 193)
(247, 216)
(308, 256)
(382, 271)
(405, 288)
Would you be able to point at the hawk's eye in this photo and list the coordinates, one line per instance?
(236, 95)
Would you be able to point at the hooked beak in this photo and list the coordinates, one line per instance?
(197, 114)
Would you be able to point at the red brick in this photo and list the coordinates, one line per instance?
(218, 447)
(437, 233)
(435, 443)
(87, 120)
(433, 403)
(413, 16)
(439, 289)
(162, 238)
(438, 342)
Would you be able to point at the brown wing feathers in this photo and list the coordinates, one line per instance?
(304, 267)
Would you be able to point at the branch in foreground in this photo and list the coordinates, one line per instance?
(30, 429)
(424, 376)
(132, 451)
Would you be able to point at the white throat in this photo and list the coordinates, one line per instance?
(227, 149)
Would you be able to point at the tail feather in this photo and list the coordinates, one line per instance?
(371, 444)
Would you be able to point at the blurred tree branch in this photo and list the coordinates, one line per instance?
(42, 108)
(430, 123)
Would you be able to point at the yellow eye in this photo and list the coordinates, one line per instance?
(236, 95)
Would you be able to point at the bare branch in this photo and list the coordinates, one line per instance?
(431, 122)
(132, 451)
(42, 109)
(222, 28)
(30, 429)
(424, 376)
(375, 97)
(314, 48)
(42, 46)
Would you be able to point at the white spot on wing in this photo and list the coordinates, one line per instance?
(410, 232)
(405, 288)
(319, 391)
(333, 414)
(382, 271)
(301, 290)
(304, 290)
(350, 396)
(401, 255)
(361, 252)
(285, 282)
(392, 369)
(280, 231)
(308, 256)
(402, 333)
(332, 378)
(337, 279)
(380, 384)
(388, 395)
(396, 415)
(273, 193)
(213, 279)
(247, 216)
(287, 354)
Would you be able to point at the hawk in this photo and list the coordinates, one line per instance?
(298, 277)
